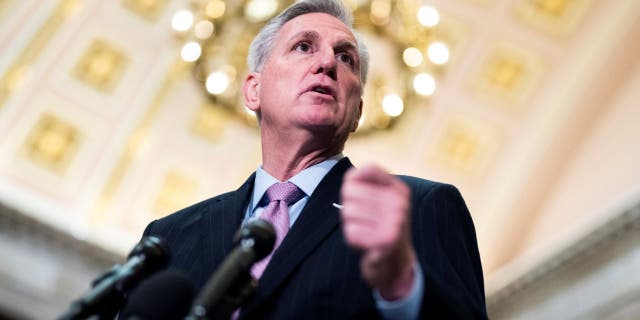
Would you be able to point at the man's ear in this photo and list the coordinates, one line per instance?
(251, 91)
(354, 125)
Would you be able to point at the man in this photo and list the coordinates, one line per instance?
(351, 243)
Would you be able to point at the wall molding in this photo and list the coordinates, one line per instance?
(562, 278)
(43, 269)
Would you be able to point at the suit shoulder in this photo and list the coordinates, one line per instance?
(424, 186)
(187, 215)
(418, 182)
(429, 191)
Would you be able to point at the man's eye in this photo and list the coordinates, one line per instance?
(303, 47)
(345, 58)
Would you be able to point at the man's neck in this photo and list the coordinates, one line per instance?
(283, 165)
(285, 155)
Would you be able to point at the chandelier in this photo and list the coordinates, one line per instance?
(407, 54)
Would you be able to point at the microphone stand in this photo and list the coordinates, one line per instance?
(232, 283)
(220, 303)
(107, 292)
(104, 299)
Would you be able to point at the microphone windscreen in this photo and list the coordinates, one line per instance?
(262, 237)
(164, 296)
(155, 252)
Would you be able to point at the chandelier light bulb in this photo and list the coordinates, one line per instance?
(392, 105)
(260, 10)
(438, 53)
(215, 9)
(182, 20)
(412, 57)
(428, 16)
(203, 29)
(191, 51)
(424, 84)
(217, 82)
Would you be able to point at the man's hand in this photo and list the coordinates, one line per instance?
(376, 209)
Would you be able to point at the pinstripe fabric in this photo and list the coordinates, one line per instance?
(314, 275)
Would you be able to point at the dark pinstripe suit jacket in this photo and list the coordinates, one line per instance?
(313, 274)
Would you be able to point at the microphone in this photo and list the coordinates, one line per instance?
(107, 293)
(164, 296)
(231, 284)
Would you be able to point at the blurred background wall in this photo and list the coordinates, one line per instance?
(529, 107)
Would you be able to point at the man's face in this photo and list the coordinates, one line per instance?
(311, 79)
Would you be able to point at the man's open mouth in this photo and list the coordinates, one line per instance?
(323, 90)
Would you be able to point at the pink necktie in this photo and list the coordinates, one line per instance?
(281, 196)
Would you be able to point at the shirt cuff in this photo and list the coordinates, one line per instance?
(407, 307)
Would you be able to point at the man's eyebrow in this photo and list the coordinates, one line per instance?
(346, 45)
(307, 34)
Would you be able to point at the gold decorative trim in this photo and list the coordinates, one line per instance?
(15, 75)
(150, 10)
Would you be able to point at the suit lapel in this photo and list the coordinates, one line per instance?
(220, 223)
(316, 221)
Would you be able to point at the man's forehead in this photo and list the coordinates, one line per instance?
(313, 23)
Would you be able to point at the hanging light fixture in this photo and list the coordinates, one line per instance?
(406, 61)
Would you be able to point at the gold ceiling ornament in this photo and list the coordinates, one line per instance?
(52, 143)
(508, 74)
(408, 54)
(101, 65)
(466, 145)
(556, 17)
(148, 9)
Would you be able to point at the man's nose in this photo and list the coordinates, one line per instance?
(326, 63)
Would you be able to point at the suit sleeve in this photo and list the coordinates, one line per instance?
(445, 240)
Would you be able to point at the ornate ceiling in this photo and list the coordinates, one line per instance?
(104, 128)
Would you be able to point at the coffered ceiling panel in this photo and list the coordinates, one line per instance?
(555, 17)
(507, 76)
(51, 147)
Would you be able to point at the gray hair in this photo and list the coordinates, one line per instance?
(262, 44)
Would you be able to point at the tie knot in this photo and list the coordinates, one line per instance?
(284, 191)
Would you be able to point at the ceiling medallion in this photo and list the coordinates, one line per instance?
(407, 56)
